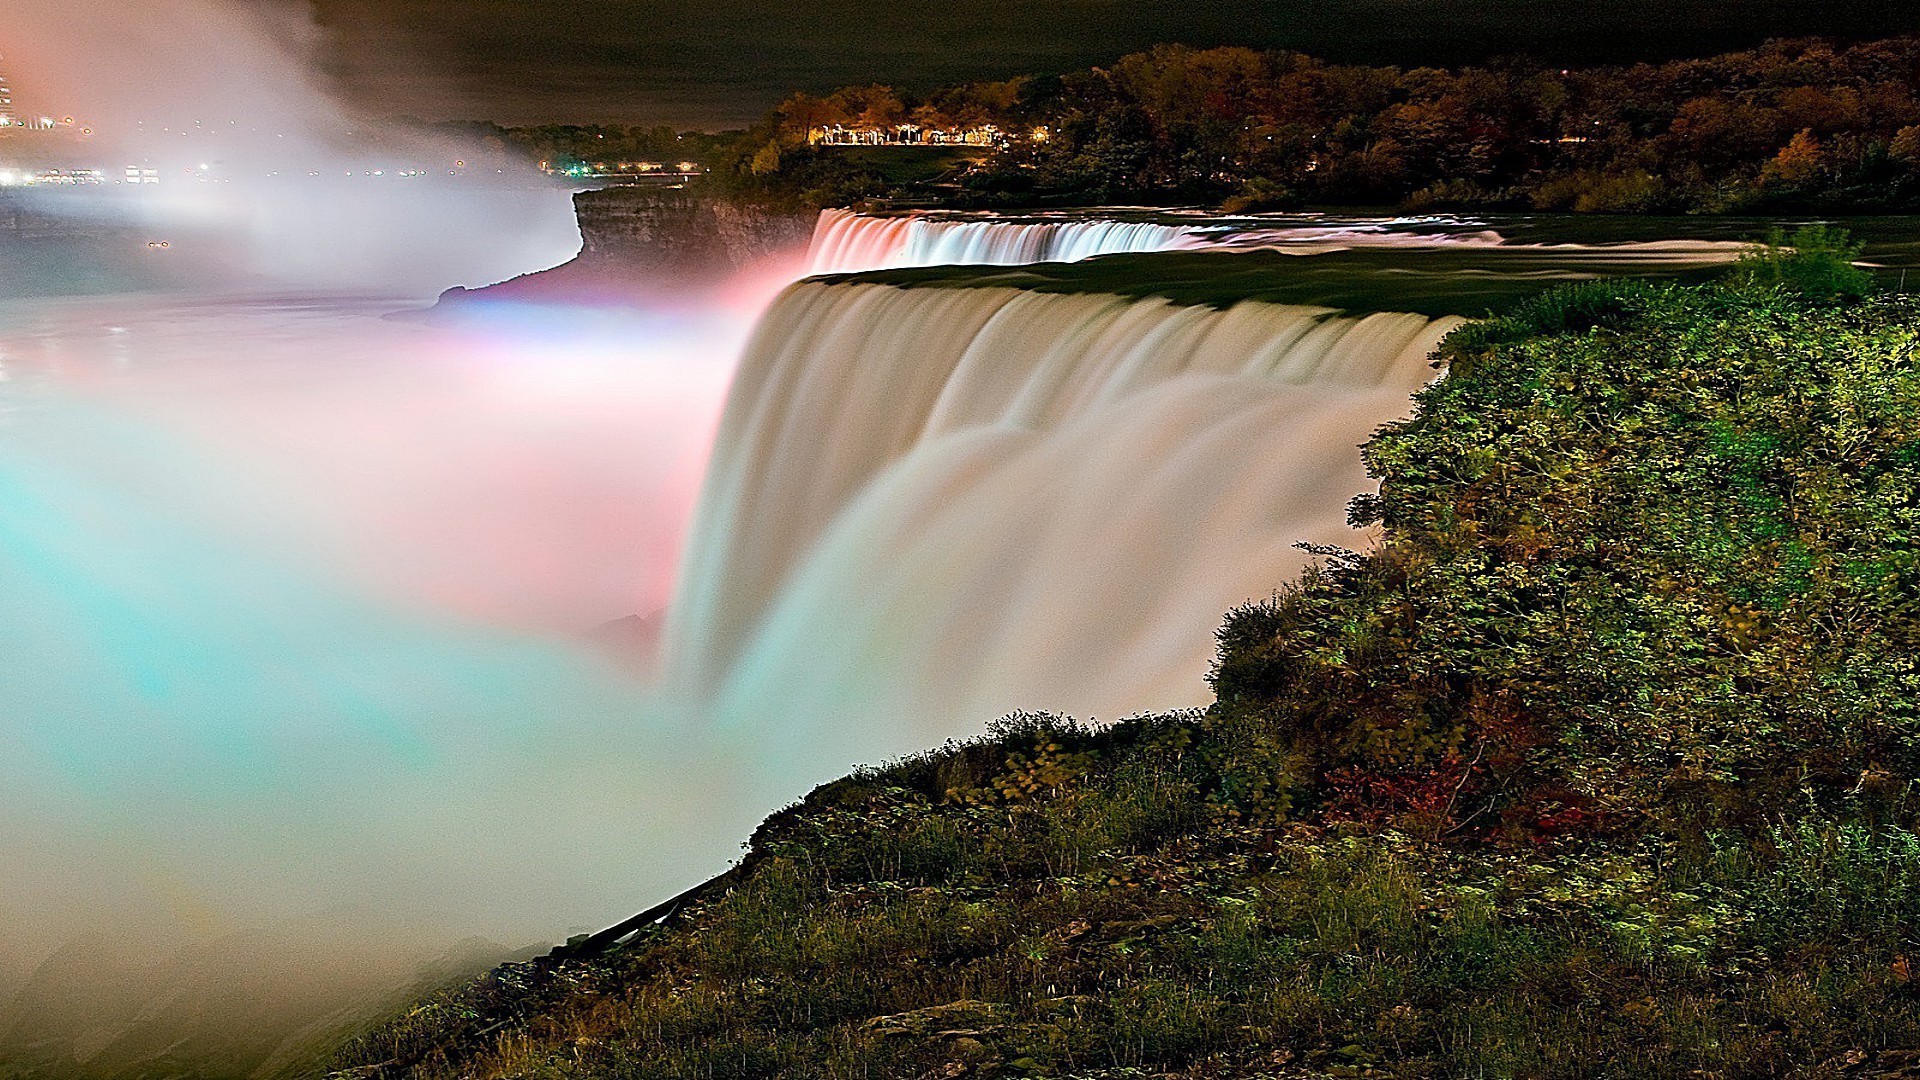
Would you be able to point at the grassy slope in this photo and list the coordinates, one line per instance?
(1602, 766)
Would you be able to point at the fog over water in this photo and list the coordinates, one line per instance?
(296, 612)
(297, 599)
(262, 174)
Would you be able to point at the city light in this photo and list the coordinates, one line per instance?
(52, 177)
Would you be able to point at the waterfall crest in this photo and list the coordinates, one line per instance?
(847, 242)
(945, 504)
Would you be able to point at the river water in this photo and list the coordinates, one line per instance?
(299, 604)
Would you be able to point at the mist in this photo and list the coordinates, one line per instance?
(298, 601)
(256, 172)
(302, 624)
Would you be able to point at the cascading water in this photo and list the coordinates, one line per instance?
(846, 242)
(929, 507)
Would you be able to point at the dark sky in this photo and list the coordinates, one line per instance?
(709, 63)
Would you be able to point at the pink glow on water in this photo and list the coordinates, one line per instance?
(578, 458)
(524, 466)
(273, 565)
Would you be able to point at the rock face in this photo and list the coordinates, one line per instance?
(673, 231)
(641, 241)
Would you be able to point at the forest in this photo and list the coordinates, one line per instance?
(1794, 126)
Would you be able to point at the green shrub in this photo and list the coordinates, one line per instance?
(1260, 195)
(1816, 261)
(1632, 192)
(1448, 195)
(1839, 879)
(1573, 307)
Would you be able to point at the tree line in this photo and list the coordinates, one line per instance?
(1800, 125)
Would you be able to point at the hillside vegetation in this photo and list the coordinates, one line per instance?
(1601, 765)
(1792, 126)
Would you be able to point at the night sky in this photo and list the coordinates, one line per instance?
(710, 63)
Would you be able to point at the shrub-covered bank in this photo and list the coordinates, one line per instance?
(1603, 764)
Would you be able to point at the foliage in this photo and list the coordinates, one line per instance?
(1817, 261)
(1791, 126)
(1652, 565)
(1260, 195)
(1601, 765)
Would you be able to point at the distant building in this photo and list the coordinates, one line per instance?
(906, 135)
(70, 177)
(6, 98)
(11, 116)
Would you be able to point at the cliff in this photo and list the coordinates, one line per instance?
(647, 241)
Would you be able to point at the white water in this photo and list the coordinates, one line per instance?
(847, 242)
(928, 507)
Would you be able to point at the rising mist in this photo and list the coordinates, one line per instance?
(260, 174)
(298, 601)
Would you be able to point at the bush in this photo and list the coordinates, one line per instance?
(1839, 880)
(1636, 192)
(1448, 195)
(1817, 262)
(1648, 559)
(1259, 196)
(1575, 307)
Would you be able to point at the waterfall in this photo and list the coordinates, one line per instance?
(846, 242)
(928, 507)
